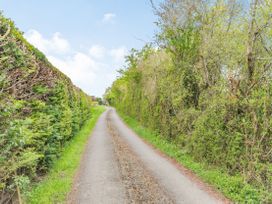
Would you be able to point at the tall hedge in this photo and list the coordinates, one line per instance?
(40, 110)
(207, 86)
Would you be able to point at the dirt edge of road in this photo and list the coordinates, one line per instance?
(211, 190)
(71, 197)
(140, 185)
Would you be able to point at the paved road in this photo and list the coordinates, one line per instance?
(118, 167)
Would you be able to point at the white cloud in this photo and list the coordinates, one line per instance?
(109, 17)
(119, 54)
(97, 51)
(55, 44)
(116, 54)
(93, 71)
(79, 67)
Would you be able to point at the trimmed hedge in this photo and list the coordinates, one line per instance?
(40, 110)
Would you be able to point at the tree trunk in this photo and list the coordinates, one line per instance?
(251, 41)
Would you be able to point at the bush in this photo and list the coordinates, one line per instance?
(40, 110)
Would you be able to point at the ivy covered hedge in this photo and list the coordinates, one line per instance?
(40, 110)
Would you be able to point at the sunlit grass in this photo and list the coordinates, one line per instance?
(55, 187)
(233, 187)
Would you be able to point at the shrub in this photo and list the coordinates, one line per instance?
(40, 110)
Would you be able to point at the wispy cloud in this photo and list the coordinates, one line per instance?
(109, 18)
(92, 70)
(118, 54)
(97, 51)
(55, 44)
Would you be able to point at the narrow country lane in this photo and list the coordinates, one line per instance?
(118, 167)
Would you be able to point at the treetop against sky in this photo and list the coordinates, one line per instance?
(87, 40)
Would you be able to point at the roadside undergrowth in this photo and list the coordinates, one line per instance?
(58, 183)
(231, 186)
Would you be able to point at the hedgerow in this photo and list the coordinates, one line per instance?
(207, 86)
(40, 110)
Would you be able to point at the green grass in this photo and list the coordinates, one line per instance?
(233, 187)
(58, 183)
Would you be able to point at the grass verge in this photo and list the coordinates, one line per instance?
(58, 183)
(233, 187)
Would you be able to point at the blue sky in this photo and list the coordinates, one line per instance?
(85, 39)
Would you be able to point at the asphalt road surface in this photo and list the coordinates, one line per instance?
(118, 167)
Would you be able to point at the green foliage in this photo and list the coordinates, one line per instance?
(200, 91)
(232, 186)
(58, 183)
(40, 110)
